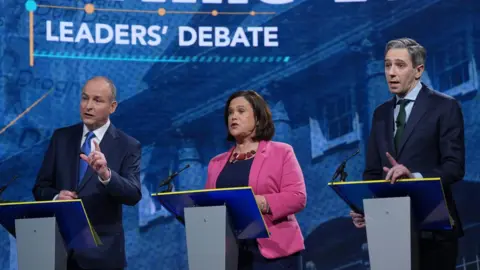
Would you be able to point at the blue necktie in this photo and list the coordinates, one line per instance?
(86, 148)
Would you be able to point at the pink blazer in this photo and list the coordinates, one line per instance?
(275, 174)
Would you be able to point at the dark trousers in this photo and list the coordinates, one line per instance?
(72, 265)
(250, 258)
(438, 254)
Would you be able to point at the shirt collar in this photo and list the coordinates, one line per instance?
(99, 132)
(412, 95)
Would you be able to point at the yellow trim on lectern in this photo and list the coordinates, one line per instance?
(382, 181)
(197, 191)
(96, 238)
(452, 222)
(216, 189)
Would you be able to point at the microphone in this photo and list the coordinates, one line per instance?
(169, 179)
(397, 123)
(341, 169)
(4, 187)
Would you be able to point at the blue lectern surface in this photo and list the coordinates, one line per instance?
(244, 213)
(427, 197)
(71, 218)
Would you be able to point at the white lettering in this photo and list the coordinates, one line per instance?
(122, 34)
(277, 2)
(119, 34)
(138, 32)
(84, 33)
(248, 37)
(239, 37)
(205, 36)
(270, 33)
(181, 35)
(64, 31)
(50, 37)
(221, 37)
(255, 31)
(271, 2)
(155, 37)
(98, 33)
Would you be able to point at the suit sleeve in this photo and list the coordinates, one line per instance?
(452, 146)
(125, 185)
(373, 168)
(292, 197)
(44, 190)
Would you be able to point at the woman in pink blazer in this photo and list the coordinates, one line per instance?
(273, 172)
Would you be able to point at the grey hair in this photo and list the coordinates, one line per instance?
(416, 51)
(110, 83)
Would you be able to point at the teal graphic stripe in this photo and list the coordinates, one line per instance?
(165, 59)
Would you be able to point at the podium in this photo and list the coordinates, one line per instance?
(46, 230)
(214, 220)
(394, 215)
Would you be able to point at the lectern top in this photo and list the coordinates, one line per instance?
(426, 194)
(72, 219)
(248, 222)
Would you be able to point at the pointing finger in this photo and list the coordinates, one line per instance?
(84, 157)
(391, 159)
(97, 147)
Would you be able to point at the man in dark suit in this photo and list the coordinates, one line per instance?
(99, 164)
(419, 133)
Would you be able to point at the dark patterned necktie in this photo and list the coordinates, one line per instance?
(400, 122)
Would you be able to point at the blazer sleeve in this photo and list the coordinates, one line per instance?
(125, 185)
(292, 197)
(452, 146)
(44, 190)
(373, 163)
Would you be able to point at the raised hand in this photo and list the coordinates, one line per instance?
(397, 171)
(96, 159)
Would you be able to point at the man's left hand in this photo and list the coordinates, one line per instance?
(398, 171)
(96, 159)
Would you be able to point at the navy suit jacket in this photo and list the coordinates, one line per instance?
(103, 203)
(432, 143)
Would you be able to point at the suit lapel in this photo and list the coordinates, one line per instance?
(73, 155)
(107, 146)
(419, 109)
(389, 126)
(257, 164)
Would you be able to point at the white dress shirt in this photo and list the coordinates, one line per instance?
(412, 96)
(99, 134)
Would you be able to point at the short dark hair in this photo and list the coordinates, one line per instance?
(417, 52)
(265, 128)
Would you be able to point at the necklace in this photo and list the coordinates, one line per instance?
(242, 156)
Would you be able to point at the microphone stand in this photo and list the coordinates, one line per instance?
(168, 181)
(341, 169)
(4, 187)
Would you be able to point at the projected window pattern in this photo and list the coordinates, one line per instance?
(451, 63)
(338, 115)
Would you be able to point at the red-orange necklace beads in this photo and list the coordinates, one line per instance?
(243, 156)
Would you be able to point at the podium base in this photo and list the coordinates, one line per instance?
(40, 244)
(391, 234)
(211, 242)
